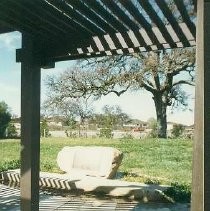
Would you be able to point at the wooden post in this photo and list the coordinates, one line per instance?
(201, 151)
(30, 125)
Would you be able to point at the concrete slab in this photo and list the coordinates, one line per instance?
(116, 188)
(10, 201)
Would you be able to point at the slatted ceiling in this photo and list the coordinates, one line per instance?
(98, 44)
(119, 51)
(90, 49)
(159, 35)
(100, 49)
(46, 12)
(193, 43)
(172, 33)
(63, 18)
(180, 45)
(33, 16)
(187, 31)
(98, 8)
(133, 38)
(157, 20)
(112, 39)
(171, 19)
(125, 19)
(140, 18)
(66, 29)
(146, 37)
(71, 12)
(126, 49)
(153, 47)
(17, 24)
(185, 16)
(30, 17)
(110, 42)
(88, 13)
(122, 41)
(104, 43)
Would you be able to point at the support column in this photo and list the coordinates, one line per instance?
(30, 125)
(201, 151)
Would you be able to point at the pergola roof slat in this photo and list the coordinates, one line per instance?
(168, 14)
(112, 20)
(17, 24)
(182, 9)
(156, 19)
(140, 18)
(60, 17)
(98, 48)
(98, 8)
(67, 29)
(33, 18)
(126, 20)
(71, 12)
(89, 14)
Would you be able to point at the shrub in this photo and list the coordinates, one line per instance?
(177, 130)
(13, 164)
(106, 133)
(11, 131)
(179, 192)
(5, 118)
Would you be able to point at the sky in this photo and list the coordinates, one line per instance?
(138, 105)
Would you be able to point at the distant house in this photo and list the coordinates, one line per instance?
(136, 126)
(54, 123)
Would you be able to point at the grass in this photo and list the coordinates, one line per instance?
(151, 160)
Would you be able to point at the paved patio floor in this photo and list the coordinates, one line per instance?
(10, 200)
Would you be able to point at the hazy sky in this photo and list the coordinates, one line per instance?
(137, 104)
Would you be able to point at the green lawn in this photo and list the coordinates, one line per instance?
(149, 160)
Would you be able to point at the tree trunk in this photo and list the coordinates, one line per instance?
(161, 108)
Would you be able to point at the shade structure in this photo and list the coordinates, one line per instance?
(58, 30)
(69, 29)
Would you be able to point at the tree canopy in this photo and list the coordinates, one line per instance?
(5, 117)
(162, 73)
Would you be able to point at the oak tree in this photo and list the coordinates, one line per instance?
(162, 73)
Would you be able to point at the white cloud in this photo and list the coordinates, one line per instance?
(10, 41)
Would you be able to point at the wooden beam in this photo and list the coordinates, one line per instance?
(173, 21)
(201, 155)
(30, 125)
(126, 20)
(146, 5)
(134, 11)
(206, 104)
(185, 16)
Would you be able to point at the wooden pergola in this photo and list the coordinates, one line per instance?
(58, 30)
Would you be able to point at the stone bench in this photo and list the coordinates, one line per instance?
(77, 163)
(90, 161)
